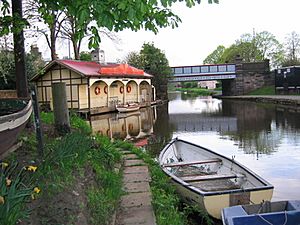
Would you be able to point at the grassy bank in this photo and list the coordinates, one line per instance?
(198, 91)
(77, 181)
(268, 90)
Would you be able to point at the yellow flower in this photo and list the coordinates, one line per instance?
(37, 190)
(4, 165)
(1, 200)
(31, 168)
(8, 181)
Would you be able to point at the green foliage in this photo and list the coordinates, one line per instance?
(85, 56)
(197, 91)
(114, 15)
(8, 72)
(16, 189)
(189, 84)
(250, 48)
(153, 61)
(215, 56)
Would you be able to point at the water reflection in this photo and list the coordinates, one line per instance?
(125, 126)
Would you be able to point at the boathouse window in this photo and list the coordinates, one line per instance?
(187, 70)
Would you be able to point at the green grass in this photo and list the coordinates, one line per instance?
(268, 90)
(198, 91)
(67, 160)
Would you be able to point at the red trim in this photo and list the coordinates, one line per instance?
(97, 90)
(121, 89)
(128, 89)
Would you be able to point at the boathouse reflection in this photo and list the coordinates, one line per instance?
(125, 126)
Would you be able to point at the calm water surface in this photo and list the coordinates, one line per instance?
(263, 137)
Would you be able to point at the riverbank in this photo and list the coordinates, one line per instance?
(291, 101)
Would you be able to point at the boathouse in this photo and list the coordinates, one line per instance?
(94, 87)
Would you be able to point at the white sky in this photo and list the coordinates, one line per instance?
(206, 26)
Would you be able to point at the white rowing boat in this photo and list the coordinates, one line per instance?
(130, 107)
(211, 180)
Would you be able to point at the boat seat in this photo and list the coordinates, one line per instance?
(215, 160)
(210, 177)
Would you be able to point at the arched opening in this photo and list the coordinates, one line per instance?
(98, 94)
(131, 92)
(116, 93)
(145, 92)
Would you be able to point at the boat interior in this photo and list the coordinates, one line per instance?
(268, 207)
(205, 175)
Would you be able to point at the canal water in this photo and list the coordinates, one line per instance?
(263, 137)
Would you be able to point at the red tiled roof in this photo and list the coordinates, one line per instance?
(120, 69)
(94, 69)
(83, 67)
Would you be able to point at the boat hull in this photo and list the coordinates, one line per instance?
(205, 191)
(127, 108)
(11, 126)
(276, 213)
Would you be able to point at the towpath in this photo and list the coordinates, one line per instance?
(135, 207)
(288, 100)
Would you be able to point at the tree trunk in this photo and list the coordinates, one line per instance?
(19, 52)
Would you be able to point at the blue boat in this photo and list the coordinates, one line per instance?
(275, 213)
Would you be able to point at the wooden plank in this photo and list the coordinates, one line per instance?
(215, 160)
(208, 177)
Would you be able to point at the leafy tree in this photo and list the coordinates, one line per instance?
(153, 61)
(215, 56)
(292, 46)
(33, 65)
(250, 48)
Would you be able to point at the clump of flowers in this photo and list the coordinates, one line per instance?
(16, 189)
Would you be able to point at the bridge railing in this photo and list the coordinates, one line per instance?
(203, 70)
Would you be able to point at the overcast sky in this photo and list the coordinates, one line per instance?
(206, 26)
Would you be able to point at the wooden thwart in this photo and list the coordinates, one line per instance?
(215, 160)
(208, 177)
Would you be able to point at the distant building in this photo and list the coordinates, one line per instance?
(210, 84)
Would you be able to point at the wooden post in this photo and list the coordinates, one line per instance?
(60, 108)
(37, 123)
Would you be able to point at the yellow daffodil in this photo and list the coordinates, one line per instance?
(32, 168)
(1, 200)
(37, 190)
(4, 165)
(8, 182)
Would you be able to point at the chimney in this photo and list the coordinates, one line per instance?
(98, 56)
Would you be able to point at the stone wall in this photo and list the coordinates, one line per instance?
(249, 77)
(8, 94)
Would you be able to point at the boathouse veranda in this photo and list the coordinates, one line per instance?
(94, 88)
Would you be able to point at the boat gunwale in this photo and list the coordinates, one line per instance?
(8, 119)
(210, 193)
